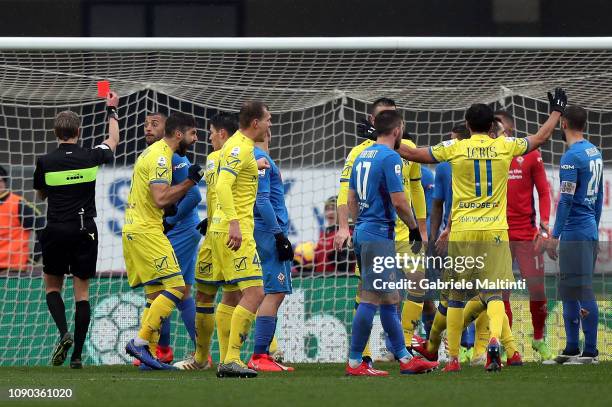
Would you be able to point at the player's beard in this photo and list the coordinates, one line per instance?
(398, 142)
(182, 148)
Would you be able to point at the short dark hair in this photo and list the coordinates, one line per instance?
(66, 125)
(225, 121)
(160, 114)
(178, 121)
(479, 117)
(505, 114)
(461, 130)
(575, 117)
(386, 121)
(382, 102)
(249, 111)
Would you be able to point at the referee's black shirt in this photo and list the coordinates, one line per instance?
(68, 177)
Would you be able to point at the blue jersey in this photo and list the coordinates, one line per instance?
(427, 181)
(443, 189)
(377, 172)
(270, 211)
(581, 191)
(187, 207)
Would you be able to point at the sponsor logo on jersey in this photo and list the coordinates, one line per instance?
(478, 205)
(567, 167)
(180, 165)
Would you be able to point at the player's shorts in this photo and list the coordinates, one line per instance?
(276, 273)
(240, 268)
(150, 261)
(371, 251)
(480, 256)
(577, 258)
(207, 279)
(66, 249)
(185, 244)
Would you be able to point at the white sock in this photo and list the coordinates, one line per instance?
(406, 359)
(354, 363)
(138, 341)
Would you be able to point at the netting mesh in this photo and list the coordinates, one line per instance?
(316, 99)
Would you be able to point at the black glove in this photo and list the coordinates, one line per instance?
(283, 247)
(202, 226)
(415, 240)
(558, 101)
(366, 130)
(195, 173)
(168, 211)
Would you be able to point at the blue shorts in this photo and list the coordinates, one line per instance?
(577, 257)
(370, 250)
(185, 242)
(276, 273)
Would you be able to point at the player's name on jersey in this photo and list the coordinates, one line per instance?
(460, 285)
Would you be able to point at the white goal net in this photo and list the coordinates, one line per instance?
(317, 91)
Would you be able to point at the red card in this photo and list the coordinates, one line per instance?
(103, 89)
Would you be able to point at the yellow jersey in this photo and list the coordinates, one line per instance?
(236, 186)
(153, 166)
(411, 174)
(210, 176)
(480, 168)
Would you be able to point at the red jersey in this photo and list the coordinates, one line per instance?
(526, 172)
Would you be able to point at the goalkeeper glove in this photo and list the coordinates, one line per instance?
(415, 240)
(366, 130)
(203, 226)
(283, 247)
(558, 101)
(195, 173)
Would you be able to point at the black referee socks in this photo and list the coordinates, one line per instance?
(82, 317)
(58, 311)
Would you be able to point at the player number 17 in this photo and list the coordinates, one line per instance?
(362, 186)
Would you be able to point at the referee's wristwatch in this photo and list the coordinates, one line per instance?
(112, 112)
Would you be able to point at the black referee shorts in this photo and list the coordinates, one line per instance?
(66, 249)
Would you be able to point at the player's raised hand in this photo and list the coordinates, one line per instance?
(234, 240)
(263, 164)
(112, 99)
(342, 236)
(366, 130)
(557, 101)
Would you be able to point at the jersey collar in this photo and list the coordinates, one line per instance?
(481, 136)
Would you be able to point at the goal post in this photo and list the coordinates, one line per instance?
(317, 90)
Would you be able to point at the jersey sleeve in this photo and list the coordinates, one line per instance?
(230, 163)
(102, 154)
(392, 170)
(541, 184)
(517, 146)
(39, 176)
(568, 175)
(443, 151)
(262, 201)
(345, 178)
(159, 169)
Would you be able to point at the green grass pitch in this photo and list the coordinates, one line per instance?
(318, 385)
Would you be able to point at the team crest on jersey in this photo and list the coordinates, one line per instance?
(161, 172)
(205, 268)
(280, 277)
(161, 263)
(520, 159)
(240, 264)
(161, 161)
(235, 151)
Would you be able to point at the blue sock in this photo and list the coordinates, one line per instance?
(589, 326)
(187, 309)
(264, 331)
(571, 320)
(467, 337)
(164, 333)
(393, 327)
(362, 327)
(271, 337)
(428, 319)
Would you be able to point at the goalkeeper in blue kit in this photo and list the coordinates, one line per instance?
(576, 236)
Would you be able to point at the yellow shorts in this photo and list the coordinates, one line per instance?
(150, 261)
(415, 270)
(480, 255)
(239, 268)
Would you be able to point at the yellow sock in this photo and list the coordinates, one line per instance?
(143, 318)
(160, 309)
(273, 345)
(205, 326)
(242, 319)
(454, 328)
(411, 315)
(506, 337)
(481, 337)
(223, 318)
(472, 310)
(496, 313)
(439, 325)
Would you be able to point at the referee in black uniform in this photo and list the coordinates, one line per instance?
(67, 178)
